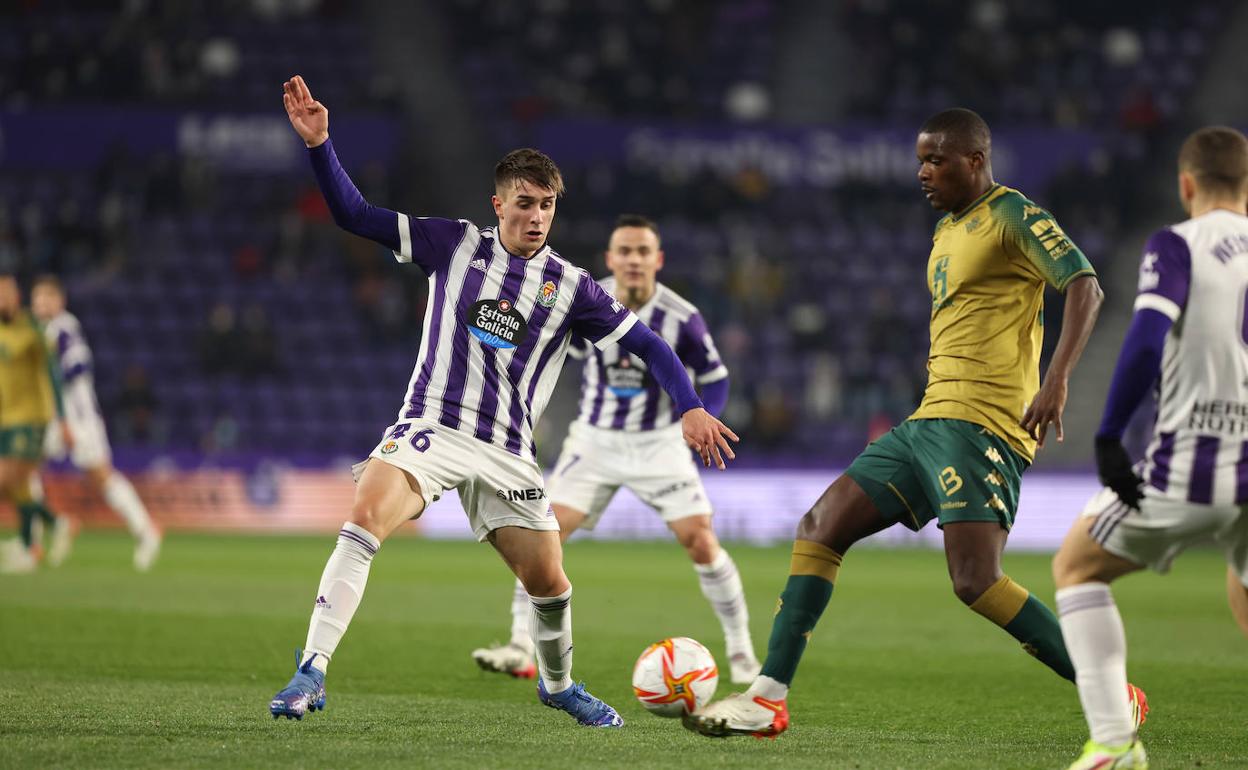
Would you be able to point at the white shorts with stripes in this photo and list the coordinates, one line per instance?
(496, 487)
(655, 465)
(1163, 527)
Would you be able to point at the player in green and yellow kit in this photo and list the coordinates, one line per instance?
(959, 458)
(29, 399)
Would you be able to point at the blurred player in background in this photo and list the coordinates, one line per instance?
(89, 451)
(502, 309)
(1190, 338)
(628, 434)
(30, 399)
(959, 458)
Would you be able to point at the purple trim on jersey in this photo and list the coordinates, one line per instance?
(436, 301)
(63, 340)
(517, 414)
(457, 376)
(1139, 365)
(691, 345)
(488, 407)
(1159, 479)
(556, 340)
(654, 393)
(1166, 269)
(75, 371)
(1200, 490)
(1241, 475)
(601, 396)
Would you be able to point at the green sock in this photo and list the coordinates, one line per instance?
(806, 594)
(1028, 620)
(26, 513)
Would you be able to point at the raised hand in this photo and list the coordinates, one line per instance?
(309, 117)
(708, 437)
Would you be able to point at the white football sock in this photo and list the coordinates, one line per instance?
(521, 608)
(120, 495)
(340, 591)
(1098, 647)
(551, 620)
(768, 688)
(721, 585)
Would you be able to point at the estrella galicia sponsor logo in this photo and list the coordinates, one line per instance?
(389, 448)
(520, 495)
(548, 295)
(625, 379)
(496, 323)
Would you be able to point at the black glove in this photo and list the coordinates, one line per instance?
(1113, 466)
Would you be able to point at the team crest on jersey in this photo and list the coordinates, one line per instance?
(496, 323)
(389, 448)
(548, 295)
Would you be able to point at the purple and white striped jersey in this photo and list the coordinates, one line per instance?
(618, 392)
(496, 329)
(66, 340)
(1196, 273)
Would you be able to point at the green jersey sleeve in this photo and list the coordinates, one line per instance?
(1032, 234)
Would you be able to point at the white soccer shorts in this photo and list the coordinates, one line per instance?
(496, 487)
(655, 465)
(90, 450)
(1163, 527)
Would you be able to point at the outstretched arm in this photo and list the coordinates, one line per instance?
(1083, 303)
(705, 434)
(351, 212)
(426, 241)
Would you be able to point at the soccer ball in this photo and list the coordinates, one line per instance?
(675, 676)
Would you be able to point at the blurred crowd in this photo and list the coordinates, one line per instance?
(229, 314)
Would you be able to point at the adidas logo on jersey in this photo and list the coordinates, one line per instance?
(478, 264)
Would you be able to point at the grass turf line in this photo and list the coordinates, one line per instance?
(102, 667)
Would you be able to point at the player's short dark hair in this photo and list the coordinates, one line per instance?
(529, 165)
(1218, 157)
(966, 129)
(637, 220)
(49, 280)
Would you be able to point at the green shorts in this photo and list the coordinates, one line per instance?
(22, 442)
(948, 470)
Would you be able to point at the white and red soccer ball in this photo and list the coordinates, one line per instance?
(675, 676)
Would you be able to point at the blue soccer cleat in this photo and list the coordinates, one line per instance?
(306, 691)
(583, 707)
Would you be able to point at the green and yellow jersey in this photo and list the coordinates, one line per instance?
(29, 382)
(987, 271)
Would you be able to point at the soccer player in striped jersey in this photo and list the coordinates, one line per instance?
(89, 451)
(502, 309)
(628, 435)
(30, 399)
(1189, 338)
(960, 457)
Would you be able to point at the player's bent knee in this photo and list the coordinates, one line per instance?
(969, 587)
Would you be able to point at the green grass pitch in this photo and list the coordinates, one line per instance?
(101, 667)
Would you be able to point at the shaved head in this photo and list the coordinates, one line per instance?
(964, 130)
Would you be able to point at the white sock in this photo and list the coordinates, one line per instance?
(551, 619)
(768, 688)
(1098, 647)
(340, 591)
(521, 608)
(721, 585)
(120, 495)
